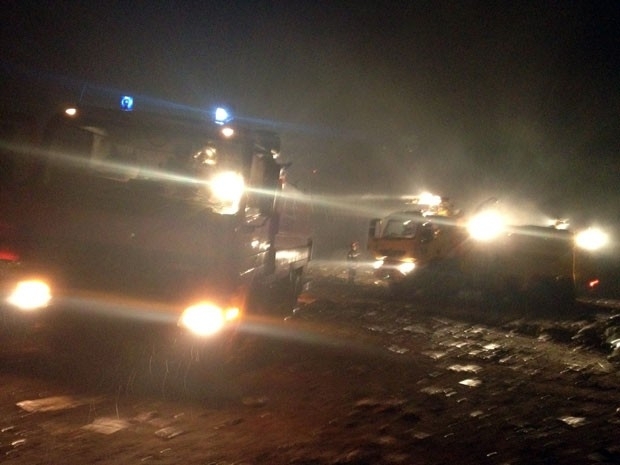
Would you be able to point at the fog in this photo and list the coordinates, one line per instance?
(466, 100)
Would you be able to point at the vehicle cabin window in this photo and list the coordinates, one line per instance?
(400, 228)
(74, 151)
(169, 163)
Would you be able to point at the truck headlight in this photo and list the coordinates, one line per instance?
(406, 267)
(227, 189)
(591, 239)
(30, 295)
(486, 226)
(206, 319)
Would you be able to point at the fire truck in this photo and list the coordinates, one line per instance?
(433, 249)
(177, 220)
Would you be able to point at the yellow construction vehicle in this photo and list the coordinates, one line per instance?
(431, 248)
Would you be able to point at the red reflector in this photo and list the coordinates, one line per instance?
(593, 283)
(8, 256)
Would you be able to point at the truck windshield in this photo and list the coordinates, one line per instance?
(400, 228)
(160, 160)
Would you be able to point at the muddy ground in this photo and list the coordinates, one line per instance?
(351, 377)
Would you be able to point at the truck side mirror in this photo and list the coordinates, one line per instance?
(264, 181)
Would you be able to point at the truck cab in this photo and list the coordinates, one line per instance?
(405, 242)
(176, 218)
(434, 250)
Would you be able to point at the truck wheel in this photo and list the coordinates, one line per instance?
(551, 296)
(288, 292)
(277, 298)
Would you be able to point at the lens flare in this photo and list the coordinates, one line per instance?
(591, 239)
(30, 295)
(486, 226)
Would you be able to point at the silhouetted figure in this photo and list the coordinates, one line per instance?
(352, 257)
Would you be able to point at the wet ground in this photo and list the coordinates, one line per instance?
(352, 377)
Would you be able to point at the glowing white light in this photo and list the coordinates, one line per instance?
(486, 226)
(561, 224)
(377, 264)
(591, 239)
(227, 190)
(221, 115)
(429, 199)
(203, 319)
(71, 111)
(30, 295)
(207, 319)
(406, 267)
(228, 131)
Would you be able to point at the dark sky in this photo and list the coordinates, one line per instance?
(515, 99)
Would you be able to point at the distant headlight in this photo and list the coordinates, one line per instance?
(206, 319)
(227, 189)
(30, 295)
(591, 239)
(377, 264)
(486, 226)
(406, 267)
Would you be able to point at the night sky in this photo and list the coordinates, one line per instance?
(520, 100)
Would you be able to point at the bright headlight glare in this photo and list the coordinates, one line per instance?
(377, 264)
(228, 132)
(406, 267)
(591, 239)
(30, 295)
(203, 319)
(227, 190)
(486, 226)
(206, 319)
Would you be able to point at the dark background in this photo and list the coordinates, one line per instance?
(469, 99)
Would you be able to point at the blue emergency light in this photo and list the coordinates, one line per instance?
(126, 103)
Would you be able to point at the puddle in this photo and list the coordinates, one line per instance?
(51, 404)
(473, 382)
(465, 368)
(106, 425)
